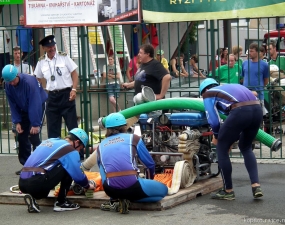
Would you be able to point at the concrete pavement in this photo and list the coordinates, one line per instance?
(201, 210)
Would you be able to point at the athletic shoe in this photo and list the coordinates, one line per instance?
(18, 172)
(223, 195)
(124, 206)
(257, 192)
(110, 206)
(66, 206)
(33, 206)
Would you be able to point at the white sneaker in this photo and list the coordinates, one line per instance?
(15, 145)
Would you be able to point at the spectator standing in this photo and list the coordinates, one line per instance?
(276, 59)
(237, 52)
(24, 39)
(22, 67)
(217, 59)
(224, 56)
(132, 68)
(27, 99)
(151, 73)
(262, 54)
(112, 76)
(229, 74)
(4, 49)
(255, 73)
(59, 70)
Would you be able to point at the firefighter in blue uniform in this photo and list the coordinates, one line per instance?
(244, 118)
(116, 157)
(55, 160)
(27, 99)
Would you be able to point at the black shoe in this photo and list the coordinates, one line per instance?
(66, 206)
(33, 206)
(257, 192)
(18, 172)
(124, 206)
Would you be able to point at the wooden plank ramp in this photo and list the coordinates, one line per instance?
(202, 187)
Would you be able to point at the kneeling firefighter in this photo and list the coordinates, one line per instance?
(116, 156)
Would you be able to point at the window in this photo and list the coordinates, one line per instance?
(240, 22)
(249, 41)
(201, 24)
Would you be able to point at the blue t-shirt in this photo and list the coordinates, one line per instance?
(25, 36)
(253, 74)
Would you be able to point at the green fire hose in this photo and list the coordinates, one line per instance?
(189, 103)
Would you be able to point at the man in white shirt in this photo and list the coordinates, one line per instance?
(22, 67)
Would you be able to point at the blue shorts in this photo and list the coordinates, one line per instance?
(113, 90)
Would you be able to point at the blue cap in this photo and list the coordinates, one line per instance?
(47, 41)
(9, 73)
(81, 135)
(115, 120)
(206, 83)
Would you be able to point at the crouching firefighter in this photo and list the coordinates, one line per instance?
(116, 156)
(54, 160)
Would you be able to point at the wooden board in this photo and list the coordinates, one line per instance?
(197, 189)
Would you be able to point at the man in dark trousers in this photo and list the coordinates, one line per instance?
(244, 117)
(54, 161)
(27, 99)
(59, 71)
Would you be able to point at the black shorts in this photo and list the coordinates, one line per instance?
(132, 193)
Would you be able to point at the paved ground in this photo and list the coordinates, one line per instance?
(201, 210)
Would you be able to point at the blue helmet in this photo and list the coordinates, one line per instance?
(206, 83)
(80, 134)
(115, 120)
(9, 73)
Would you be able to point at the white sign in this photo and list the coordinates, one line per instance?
(56, 13)
(53, 12)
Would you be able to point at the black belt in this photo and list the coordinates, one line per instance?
(239, 104)
(61, 90)
(33, 169)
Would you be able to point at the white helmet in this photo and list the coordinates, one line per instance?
(274, 68)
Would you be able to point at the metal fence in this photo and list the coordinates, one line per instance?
(90, 47)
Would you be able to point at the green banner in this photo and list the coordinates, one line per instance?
(195, 10)
(11, 2)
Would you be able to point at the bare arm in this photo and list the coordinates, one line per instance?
(74, 77)
(128, 74)
(129, 85)
(266, 80)
(183, 70)
(165, 83)
(173, 66)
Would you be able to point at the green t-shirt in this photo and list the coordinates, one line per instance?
(239, 62)
(280, 62)
(227, 75)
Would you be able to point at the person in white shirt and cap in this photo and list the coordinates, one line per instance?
(59, 71)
